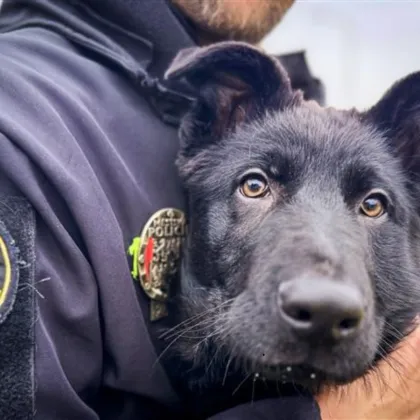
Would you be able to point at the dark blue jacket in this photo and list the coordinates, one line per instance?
(88, 144)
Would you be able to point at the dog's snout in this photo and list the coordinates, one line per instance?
(321, 308)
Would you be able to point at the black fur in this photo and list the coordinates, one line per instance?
(321, 164)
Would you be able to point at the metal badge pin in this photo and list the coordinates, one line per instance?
(158, 257)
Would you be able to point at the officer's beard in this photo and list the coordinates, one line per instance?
(240, 20)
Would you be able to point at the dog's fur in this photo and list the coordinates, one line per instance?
(320, 164)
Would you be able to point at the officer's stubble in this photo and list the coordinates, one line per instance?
(241, 20)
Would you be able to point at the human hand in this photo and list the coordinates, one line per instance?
(391, 392)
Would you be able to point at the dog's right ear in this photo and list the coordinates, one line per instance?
(234, 83)
(397, 116)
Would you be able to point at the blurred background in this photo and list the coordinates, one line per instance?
(357, 48)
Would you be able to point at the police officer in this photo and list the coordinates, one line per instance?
(88, 143)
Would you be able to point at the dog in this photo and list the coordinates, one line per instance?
(301, 262)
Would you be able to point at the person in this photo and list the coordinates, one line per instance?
(89, 139)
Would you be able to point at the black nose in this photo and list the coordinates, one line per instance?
(321, 308)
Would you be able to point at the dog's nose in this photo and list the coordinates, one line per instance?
(321, 308)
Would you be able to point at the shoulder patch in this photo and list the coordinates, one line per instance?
(17, 308)
(9, 273)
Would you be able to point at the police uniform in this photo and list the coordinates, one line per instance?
(88, 143)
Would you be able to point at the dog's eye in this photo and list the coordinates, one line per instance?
(254, 186)
(373, 206)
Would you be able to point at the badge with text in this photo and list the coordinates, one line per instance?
(156, 257)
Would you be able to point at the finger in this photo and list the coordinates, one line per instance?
(406, 357)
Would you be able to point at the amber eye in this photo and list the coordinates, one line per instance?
(373, 206)
(254, 186)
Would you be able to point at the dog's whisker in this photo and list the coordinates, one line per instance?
(278, 388)
(227, 369)
(388, 359)
(254, 380)
(202, 325)
(205, 326)
(241, 383)
(209, 365)
(181, 335)
(194, 318)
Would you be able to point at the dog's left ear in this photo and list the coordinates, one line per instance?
(397, 115)
(234, 83)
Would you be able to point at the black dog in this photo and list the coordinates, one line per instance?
(302, 260)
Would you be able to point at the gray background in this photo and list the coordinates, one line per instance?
(358, 48)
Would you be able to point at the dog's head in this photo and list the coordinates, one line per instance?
(302, 257)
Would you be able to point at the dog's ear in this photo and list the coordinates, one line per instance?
(234, 83)
(397, 115)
